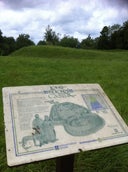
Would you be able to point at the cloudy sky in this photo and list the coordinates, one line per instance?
(76, 18)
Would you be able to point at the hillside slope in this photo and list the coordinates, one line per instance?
(62, 52)
(39, 65)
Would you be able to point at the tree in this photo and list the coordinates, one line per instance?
(50, 36)
(114, 28)
(9, 45)
(1, 43)
(87, 43)
(104, 42)
(125, 35)
(67, 41)
(119, 36)
(113, 34)
(1, 37)
(41, 43)
(23, 40)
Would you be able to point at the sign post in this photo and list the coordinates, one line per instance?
(57, 121)
(65, 163)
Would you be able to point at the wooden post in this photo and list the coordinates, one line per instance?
(65, 163)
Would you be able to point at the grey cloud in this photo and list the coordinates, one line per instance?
(19, 4)
(118, 3)
(65, 16)
(80, 14)
(73, 20)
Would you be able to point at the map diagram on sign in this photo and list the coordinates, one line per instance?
(54, 120)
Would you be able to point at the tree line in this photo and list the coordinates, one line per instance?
(111, 37)
(9, 44)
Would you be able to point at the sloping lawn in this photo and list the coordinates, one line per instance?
(55, 65)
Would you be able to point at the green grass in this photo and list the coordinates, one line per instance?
(40, 65)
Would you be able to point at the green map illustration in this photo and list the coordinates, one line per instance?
(76, 120)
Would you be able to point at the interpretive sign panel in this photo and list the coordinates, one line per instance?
(43, 122)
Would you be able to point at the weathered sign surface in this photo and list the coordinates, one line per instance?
(43, 122)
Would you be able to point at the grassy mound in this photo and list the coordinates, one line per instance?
(62, 52)
(38, 65)
(50, 52)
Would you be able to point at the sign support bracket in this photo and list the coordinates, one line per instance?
(65, 163)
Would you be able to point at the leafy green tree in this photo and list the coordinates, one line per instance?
(95, 42)
(104, 42)
(9, 45)
(114, 28)
(1, 43)
(119, 36)
(41, 43)
(87, 43)
(114, 35)
(23, 40)
(125, 35)
(1, 37)
(67, 41)
(50, 36)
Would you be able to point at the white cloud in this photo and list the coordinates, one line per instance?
(77, 18)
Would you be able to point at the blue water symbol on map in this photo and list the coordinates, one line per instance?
(95, 104)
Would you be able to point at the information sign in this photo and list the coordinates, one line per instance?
(48, 121)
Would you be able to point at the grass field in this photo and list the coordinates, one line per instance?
(40, 65)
